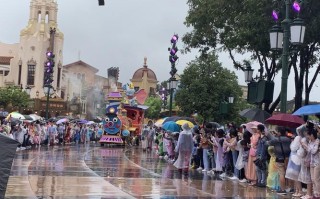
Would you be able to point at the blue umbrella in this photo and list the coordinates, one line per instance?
(171, 126)
(308, 110)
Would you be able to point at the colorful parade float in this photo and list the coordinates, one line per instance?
(124, 115)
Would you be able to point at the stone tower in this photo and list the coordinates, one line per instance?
(27, 68)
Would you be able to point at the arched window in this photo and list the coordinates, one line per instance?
(39, 16)
(79, 76)
(47, 17)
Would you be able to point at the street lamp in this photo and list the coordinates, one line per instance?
(231, 99)
(48, 91)
(297, 31)
(248, 72)
(172, 85)
(28, 89)
(37, 94)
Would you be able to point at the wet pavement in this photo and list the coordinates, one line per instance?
(91, 171)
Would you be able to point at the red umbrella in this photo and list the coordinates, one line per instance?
(285, 119)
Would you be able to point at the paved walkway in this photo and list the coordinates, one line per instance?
(94, 172)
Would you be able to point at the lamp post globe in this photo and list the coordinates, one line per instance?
(276, 37)
(297, 31)
(248, 72)
(28, 89)
(231, 100)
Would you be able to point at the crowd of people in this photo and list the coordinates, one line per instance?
(283, 160)
(49, 133)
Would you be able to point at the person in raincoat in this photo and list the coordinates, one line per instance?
(184, 148)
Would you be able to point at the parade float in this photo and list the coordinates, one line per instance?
(124, 115)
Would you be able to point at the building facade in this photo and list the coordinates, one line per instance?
(23, 63)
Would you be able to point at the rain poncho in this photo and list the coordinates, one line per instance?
(184, 148)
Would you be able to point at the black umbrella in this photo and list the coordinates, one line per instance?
(255, 114)
(8, 148)
(215, 125)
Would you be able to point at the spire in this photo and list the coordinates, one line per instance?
(145, 62)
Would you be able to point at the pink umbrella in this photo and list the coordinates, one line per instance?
(249, 126)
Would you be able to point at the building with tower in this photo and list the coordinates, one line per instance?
(23, 63)
(145, 78)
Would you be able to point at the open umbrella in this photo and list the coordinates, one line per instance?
(15, 115)
(190, 119)
(285, 119)
(159, 122)
(181, 122)
(255, 114)
(90, 122)
(173, 118)
(35, 117)
(63, 120)
(171, 126)
(308, 110)
(82, 121)
(249, 125)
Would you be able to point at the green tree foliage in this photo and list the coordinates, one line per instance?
(204, 85)
(240, 27)
(14, 96)
(154, 109)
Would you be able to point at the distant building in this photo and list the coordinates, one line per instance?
(145, 78)
(86, 90)
(244, 90)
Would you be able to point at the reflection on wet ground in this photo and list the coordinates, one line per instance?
(91, 171)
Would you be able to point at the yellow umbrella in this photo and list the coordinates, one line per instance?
(159, 122)
(181, 122)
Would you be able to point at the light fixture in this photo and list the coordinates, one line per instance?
(231, 99)
(248, 72)
(48, 89)
(276, 37)
(297, 30)
(173, 83)
(28, 89)
(37, 93)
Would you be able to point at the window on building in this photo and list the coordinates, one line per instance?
(4, 72)
(79, 76)
(58, 77)
(83, 77)
(19, 74)
(47, 18)
(39, 16)
(31, 74)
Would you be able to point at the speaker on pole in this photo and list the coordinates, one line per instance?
(101, 2)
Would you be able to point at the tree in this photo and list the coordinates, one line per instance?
(204, 85)
(242, 27)
(154, 109)
(14, 96)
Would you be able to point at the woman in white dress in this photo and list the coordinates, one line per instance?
(184, 148)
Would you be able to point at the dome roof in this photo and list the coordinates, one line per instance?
(140, 72)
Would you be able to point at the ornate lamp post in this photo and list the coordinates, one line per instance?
(296, 30)
(172, 85)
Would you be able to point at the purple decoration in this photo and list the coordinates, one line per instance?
(173, 51)
(275, 15)
(296, 6)
(174, 39)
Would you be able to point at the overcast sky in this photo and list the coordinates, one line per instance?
(119, 34)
